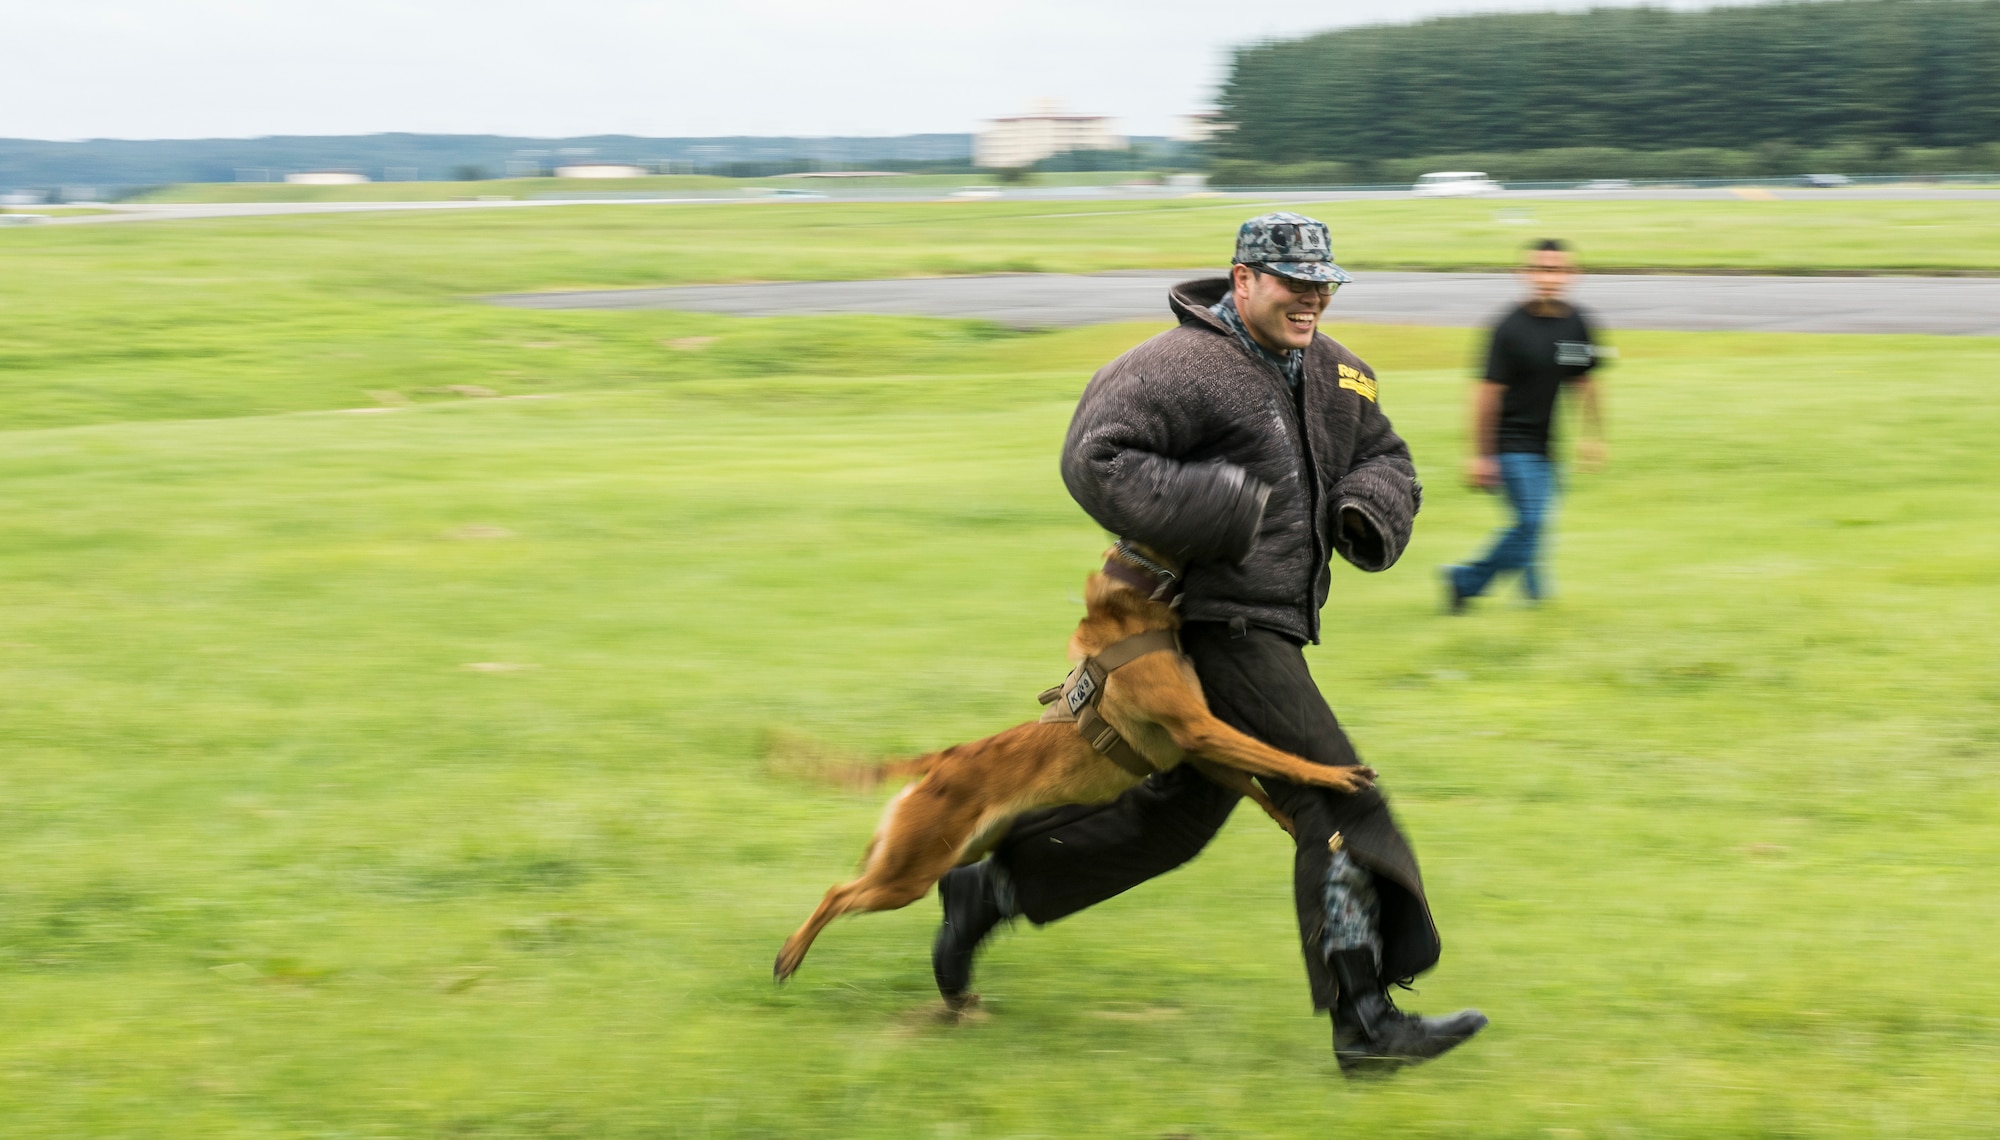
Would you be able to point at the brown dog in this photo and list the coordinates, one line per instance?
(965, 796)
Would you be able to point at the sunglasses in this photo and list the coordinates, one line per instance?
(1302, 288)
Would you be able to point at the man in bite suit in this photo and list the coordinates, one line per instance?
(1251, 448)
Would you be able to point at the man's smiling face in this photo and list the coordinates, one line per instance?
(1280, 313)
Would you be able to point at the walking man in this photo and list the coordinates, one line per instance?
(1541, 346)
(1251, 448)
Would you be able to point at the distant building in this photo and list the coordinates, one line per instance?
(1198, 127)
(1023, 140)
(601, 170)
(325, 178)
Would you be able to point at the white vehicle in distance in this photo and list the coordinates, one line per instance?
(977, 192)
(22, 219)
(1454, 184)
(1608, 184)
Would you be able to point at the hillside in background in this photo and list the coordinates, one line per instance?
(1874, 74)
(35, 164)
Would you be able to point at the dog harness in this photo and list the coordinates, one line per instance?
(1077, 698)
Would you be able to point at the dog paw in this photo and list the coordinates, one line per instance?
(1355, 779)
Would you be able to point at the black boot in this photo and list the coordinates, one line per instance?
(970, 914)
(1370, 1035)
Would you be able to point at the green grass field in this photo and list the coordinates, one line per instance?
(53, 211)
(432, 771)
(202, 319)
(664, 185)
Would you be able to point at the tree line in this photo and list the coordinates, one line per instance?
(1873, 75)
(1575, 164)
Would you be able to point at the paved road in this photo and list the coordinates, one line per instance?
(1936, 305)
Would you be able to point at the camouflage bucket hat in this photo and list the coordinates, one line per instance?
(1289, 245)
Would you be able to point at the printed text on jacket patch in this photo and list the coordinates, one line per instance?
(1357, 381)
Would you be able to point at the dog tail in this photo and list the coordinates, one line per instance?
(799, 757)
(905, 769)
(865, 777)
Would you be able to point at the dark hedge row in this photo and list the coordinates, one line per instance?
(1772, 160)
(1883, 73)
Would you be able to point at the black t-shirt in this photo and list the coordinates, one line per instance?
(1534, 356)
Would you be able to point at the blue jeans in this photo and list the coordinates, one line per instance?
(1530, 482)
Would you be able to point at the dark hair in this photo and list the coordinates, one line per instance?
(1549, 245)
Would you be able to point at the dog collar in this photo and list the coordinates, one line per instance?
(1155, 581)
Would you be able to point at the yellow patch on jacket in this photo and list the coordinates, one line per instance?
(1358, 382)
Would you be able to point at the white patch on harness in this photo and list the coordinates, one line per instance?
(1086, 687)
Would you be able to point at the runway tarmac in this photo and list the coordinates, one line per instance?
(1948, 306)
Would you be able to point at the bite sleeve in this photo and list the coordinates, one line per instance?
(1119, 463)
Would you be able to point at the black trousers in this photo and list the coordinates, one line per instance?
(1064, 859)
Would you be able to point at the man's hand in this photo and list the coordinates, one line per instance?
(1483, 472)
(1590, 450)
(1363, 543)
(1592, 455)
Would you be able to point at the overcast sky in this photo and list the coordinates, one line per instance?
(194, 68)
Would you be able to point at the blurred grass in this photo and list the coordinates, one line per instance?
(664, 185)
(185, 319)
(1711, 837)
(54, 211)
